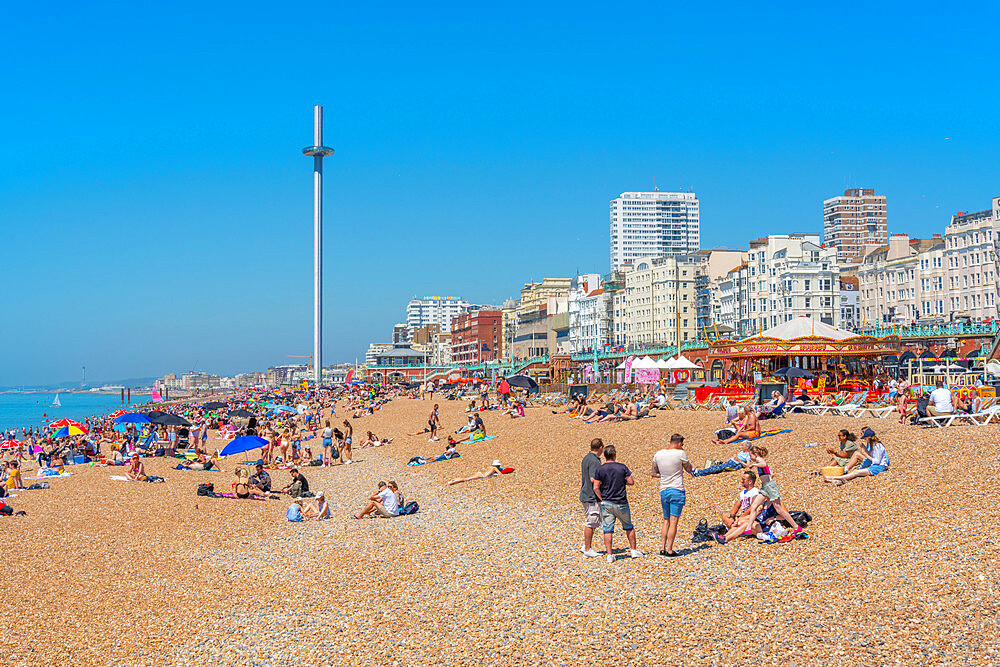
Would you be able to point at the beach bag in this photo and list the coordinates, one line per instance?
(725, 433)
(206, 490)
(409, 508)
(294, 513)
(922, 404)
(38, 485)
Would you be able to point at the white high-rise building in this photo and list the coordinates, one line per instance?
(439, 310)
(653, 224)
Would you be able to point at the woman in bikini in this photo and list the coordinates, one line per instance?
(136, 472)
(494, 470)
(242, 489)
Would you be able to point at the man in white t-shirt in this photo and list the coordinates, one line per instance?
(669, 465)
(741, 508)
(383, 503)
(940, 402)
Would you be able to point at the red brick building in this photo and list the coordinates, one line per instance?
(477, 336)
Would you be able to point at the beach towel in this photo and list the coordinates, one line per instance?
(421, 461)
(49, 474)
(119, 478)
(489, 437)
(765, 434)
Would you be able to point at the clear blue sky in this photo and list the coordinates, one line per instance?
(155, 208)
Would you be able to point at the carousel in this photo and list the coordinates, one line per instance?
(805, 343)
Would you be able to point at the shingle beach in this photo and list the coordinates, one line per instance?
(899, 568)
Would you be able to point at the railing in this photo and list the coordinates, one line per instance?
(642, 351)
(940, 330)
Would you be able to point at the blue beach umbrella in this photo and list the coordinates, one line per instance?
(132, 418)
(243, 444)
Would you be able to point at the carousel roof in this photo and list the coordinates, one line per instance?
(804, 336)
(805, 327)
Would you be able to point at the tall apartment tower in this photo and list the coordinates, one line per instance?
(439, 310)
(653, 224)
(855, 224)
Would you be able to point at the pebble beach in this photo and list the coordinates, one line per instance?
(898, 568)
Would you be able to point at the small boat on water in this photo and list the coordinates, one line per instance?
(56, 402)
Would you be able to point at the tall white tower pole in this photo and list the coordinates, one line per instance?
(318, 151)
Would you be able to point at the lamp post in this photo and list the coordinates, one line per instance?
(317, 151)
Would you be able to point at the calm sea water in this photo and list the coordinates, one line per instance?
(21, 410)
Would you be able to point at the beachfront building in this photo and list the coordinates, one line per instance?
(536, 332)
(713, 269)
(730, 298)
(589, 314)
(401, 334)
(850, 313)
(904, 282)
(855, 223)
(970, 258)
(789, 276)
(658, 305)
(653, 224)
(375, 349)
(476, 337)
(439, 310)
(508, 313)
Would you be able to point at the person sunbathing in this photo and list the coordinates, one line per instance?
(320, 510)
(631, 411)
(494, 470)
(136, 471)
(746, 426)
(609, 413)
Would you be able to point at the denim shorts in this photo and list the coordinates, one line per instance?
(327, 442)
(872, 468)
(612, 511)
(672, 502)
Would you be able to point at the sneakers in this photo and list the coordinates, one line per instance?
(591, 553)
(435, 439)
(635, 553)
(610, 558)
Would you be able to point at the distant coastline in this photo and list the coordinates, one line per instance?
(98, 392)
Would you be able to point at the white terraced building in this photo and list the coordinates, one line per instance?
(971, 261)
(653, 224)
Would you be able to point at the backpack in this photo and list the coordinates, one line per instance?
(922, 404)
(294, 513)
(409, 508)
(206, 490)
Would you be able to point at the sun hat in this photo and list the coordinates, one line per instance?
(496, 462)
(319, 494)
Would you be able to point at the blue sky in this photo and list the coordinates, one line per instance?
(156, 210)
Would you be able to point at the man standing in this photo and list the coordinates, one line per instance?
(591, 504)
(669, 465)
(610, 481)
(434, 421)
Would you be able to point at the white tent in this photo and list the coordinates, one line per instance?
(645, 362)
(682, 363)
(620, 366)
(663, 363)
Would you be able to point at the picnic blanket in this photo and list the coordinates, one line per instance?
(765, 434)
(50, 475)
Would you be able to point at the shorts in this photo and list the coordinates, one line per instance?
(431, 424)
(611, 511)
(672, 502)
(841, 461)
(327, 442)
(347, 441)
(770, 490)
(592, 515)
(872, 468)
(383, 512)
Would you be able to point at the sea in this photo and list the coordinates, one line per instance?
(36, 409)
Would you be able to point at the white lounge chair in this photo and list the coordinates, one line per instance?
(941, 421)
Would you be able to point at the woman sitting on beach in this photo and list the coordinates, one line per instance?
(242, 488)
(871, 456)
(768, 494)
(746, 426)
(320, 510)
(494, 470)
(136, 471)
